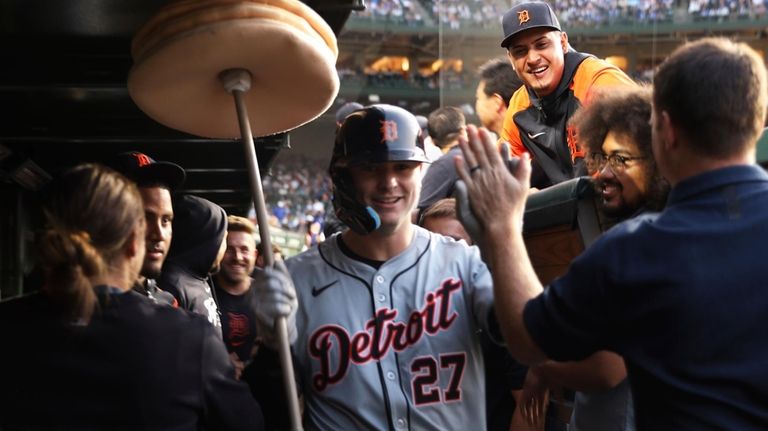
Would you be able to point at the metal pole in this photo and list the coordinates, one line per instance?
(237, 82)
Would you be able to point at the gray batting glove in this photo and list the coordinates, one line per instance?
(467, 218)
(275, 297)
(464, 212)
(506, 155)
(464, 209)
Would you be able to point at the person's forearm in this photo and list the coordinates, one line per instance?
(601, 371)
(514, 283)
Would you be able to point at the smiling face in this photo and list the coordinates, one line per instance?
(391, 189)
(623, 193)
(538, 56)
(158, 212)
(239, 257)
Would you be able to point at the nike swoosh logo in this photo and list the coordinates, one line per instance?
(316, 291)
(536, 135)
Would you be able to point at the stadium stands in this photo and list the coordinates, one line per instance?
(458, 14)
(297, 191)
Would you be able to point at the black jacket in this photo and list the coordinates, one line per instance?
(543, 129)
(439, 181)
(136, 366)
(199, 228)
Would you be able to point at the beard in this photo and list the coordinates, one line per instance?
(151, 270)
(618, 209)
(235, 276)
(620, 212)
(655, 198)
(230, 278)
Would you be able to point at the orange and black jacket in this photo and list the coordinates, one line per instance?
(540, 126)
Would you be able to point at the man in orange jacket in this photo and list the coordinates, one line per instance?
(558, 80)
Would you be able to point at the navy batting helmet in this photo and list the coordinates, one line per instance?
(379, 133)
(374, 134)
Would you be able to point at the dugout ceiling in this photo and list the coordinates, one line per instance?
(63, 71)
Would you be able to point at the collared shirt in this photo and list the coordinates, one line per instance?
(681, 295)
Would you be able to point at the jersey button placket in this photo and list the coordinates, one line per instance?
(380, 285)
(389, 364)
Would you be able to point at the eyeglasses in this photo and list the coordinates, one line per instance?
(618, 163)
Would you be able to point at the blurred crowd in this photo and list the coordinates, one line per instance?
(451, 79)
(723, 9)
(298, 193)
(457, 14)
(398, 11)
(582, 13)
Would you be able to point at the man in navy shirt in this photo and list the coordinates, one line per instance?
(680, 295)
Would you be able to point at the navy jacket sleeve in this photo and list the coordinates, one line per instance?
(579, 313)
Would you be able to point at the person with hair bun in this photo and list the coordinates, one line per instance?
(87, 352)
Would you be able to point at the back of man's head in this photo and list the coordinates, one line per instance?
(445, 125)
(345, 110)
(199, 227)
(715, 92)
(499, 78)
(441, 218)
(445, 207)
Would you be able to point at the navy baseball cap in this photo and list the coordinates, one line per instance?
(423, 123)
(347, 109)
(525, 16)
(145, 170)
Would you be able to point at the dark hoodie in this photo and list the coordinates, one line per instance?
(199, 227)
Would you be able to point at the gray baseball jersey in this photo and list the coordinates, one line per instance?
(395, 348)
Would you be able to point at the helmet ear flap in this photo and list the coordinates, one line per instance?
(375, 134)
(362, 219)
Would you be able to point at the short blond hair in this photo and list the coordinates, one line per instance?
(445, 207)
(240, 224)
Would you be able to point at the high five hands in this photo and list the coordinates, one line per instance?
(491, 194)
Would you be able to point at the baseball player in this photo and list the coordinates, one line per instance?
(558, 81)
(156, 181)
(389, 313)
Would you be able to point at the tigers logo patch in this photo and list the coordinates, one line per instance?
(388, 131)
(141, 159)
(523, 16)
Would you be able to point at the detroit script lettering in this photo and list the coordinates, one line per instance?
(380, 334)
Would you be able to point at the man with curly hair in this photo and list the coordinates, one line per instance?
(616, 133)
(680, 295)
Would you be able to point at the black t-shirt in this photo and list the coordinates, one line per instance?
(238, 321)
(262, 370)
(120, 371)
(438, 183)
